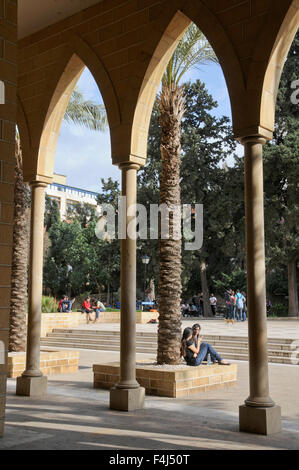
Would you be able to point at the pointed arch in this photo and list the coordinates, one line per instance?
(39, 158)
(279, 52)
(208, 23)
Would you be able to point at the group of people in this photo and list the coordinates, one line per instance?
(194, 350)
(92, 308)
(235, 305)
(196, 306)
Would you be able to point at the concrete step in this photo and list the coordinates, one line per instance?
(142, 334)
(148, 340)
(280, 350)
(231, 355)
(97, 346)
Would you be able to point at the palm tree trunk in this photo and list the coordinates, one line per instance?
(292, 288)
(18, 304)
(171, 103)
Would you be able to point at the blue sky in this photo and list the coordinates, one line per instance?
(84, 156)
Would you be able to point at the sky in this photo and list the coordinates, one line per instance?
(84, 156)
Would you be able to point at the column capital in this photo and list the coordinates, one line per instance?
(253, 139)
(38, 184)
(129, 166)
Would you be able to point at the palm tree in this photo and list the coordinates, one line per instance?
(192, 50)
(18, 303)
(79, 111)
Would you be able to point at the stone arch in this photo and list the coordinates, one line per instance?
(216, 35)
(40, 155)
(282, 44)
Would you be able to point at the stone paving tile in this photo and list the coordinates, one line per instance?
(73, 415)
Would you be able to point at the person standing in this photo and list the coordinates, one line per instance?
(213, 302)
(239, 305)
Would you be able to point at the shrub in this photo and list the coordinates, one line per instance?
(279, 310)
(49, 304)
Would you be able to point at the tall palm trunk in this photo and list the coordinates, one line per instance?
(18, 304)
(171, 104)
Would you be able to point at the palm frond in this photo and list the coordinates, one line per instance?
(192, 50)
(85, 113)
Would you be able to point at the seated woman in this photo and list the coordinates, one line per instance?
(194, 350)
(88, 310)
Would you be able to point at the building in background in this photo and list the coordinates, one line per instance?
(68, 196)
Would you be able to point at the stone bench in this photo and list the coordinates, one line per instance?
(170, 381)
(51, 362)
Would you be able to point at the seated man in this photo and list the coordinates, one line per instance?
(98, 307)
(66, 305)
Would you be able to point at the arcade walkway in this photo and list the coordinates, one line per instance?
(73, 415)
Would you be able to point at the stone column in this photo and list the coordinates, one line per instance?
(32, 382)
(259, 414)
(127, 395)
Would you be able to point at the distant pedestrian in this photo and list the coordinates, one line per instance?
(213, 302)
(239, 305)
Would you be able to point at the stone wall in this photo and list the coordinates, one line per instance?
(51, 362)
(60, 320)
(166, 381)
(8, 75)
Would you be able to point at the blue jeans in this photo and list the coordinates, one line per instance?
(66, 306)
(205, 349)
(243, 315)
(98, 310)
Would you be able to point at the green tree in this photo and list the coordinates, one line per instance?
(52, 213)
(79, 111)
(281, 176)
(82, 212)
(207, 142)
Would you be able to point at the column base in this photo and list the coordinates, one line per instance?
(260, 420)
(31, 386)
(127, 399)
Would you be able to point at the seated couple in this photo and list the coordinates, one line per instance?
(65, 304)
(194, 350)
(96, 307)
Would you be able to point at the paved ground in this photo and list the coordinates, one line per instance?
(73, 415)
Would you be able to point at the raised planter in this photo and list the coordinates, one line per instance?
(51, 362)
(51, 321)
(114, 317)
(170, 381)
